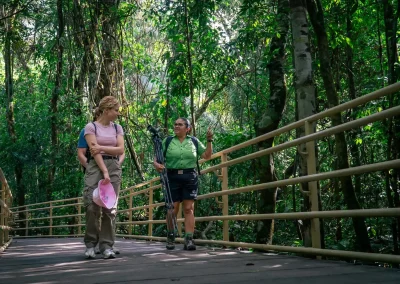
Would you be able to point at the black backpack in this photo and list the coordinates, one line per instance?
(196, 144)
(87, 154)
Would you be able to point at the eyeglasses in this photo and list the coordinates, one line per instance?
(179, 124)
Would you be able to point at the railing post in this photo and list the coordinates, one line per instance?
(3, 215)
(79, 216)
(51, 219)
(150, 227)
(225, 200)
(312, 185)
(130, 211)
(27, 221)
(7, 213)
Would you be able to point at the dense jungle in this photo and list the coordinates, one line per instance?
(242, 67)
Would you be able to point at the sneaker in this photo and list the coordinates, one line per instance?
(189, 244)
(170, 241)
(89, 253)
(108, 253)
(115, 250)
(96, 250)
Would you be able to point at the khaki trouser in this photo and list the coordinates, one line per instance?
(100, 221)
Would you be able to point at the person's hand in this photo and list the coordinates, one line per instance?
(106, 178)
(159, 167)
(95, 149)
(210, 134)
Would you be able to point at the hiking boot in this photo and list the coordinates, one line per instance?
(170, 241)
(115, 250)
(89, 253)
(189, 244)
(108, 253)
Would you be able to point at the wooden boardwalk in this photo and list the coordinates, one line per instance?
(56, 261)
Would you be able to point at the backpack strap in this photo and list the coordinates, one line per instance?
(167, 142)
(95, 133)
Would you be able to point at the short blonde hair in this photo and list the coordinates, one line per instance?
(108, 102)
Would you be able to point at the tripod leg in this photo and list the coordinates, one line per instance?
(171, 221)
(172, 228)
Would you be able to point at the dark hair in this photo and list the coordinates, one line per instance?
(187, 122)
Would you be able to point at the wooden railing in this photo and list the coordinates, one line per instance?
(50, 219)
(5, 212)
(145, 212)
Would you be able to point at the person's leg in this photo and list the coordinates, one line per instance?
(175, 197)
(107, 232)
(171, 217)
(93, 211)
(188, 211)
(91, 238)
(171, 222)
(189, 195)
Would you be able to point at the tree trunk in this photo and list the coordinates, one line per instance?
(380, 47)
(189, 66)
(110, 79)
(9, 89)
(355, 153)
(305, 94)
(317, 19)
(393, 152)
(85, 39)
(270, 120)
(391, 22)
(54, 101)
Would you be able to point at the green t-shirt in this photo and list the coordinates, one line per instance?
(182, 155)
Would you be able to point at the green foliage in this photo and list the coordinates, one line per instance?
(229, 45)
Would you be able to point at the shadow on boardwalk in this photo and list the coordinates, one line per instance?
(56, 261)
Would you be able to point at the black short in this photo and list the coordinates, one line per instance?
(183, 186)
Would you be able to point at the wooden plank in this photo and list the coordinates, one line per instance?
(61, 261)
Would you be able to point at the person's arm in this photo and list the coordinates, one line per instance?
(91, 140)
(121, 158)
(208, 152)
(82, 156)
(159, 167)
(109, 150)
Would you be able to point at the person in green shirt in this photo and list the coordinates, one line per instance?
(180, 162)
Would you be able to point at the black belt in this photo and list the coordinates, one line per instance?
(110, 157)
(180, 171)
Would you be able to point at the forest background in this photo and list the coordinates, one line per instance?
(242, 67)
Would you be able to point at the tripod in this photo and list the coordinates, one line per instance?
(172, 224)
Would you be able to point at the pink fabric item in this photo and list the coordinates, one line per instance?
(104, 195)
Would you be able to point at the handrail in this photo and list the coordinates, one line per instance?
(342, 107)
(148, 188)
(5, 212)
(46, 202)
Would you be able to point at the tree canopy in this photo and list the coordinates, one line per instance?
(233, 65)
